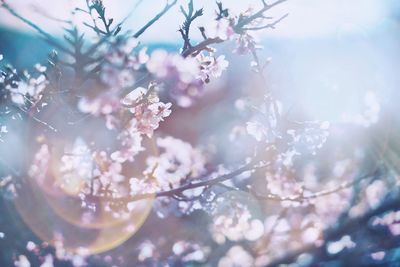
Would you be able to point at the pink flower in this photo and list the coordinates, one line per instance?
(178, 161)
(31, 88)
(179, 75)
(40, 164)
(168, 66)
(256, 130)
(211, 66)
(148, 111)
(131, 146)
(245, 43)
(219, 29)
(108, 171)
(118, 71)
(104, 104)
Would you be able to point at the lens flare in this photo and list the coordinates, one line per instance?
(45, 222)
(68, 205)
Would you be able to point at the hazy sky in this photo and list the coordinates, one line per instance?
(308, 18)
(330, 54)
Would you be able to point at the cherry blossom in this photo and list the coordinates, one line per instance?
(40, 164)
(22, 261)
(221, 28)
(282, 181)
(131, 145)
(147, 115)
(245, 43)
(121, 63)
(177, 162)
(236, 256)
(179, 75)
(29, 89)
(211, 66)
(104, 104)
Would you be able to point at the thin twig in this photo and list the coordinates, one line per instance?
(46, 35)
(270, 25)
(38, 120)
(238, 28)
(245, 21)
(153, 20)
(302, 197)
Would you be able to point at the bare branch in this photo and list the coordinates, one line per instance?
(190, 16)
(38, 120)
(44, 34)
(153, 20)
(43, 13)
(245, 21)
(270, 25)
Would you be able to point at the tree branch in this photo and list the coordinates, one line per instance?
(238, 28)
(270, 25)
(191, 185)
(245, 21)
(44, 34)
(301, 197)
(153, 20)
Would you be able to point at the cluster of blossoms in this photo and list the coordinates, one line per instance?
(23, 88)
(29, 89)
(144, 112)
(177, 73)
(223, 29)
(49, 260)
(177, 162)
(184, 78)
(81, 171)
(299, 138)
(246, 43)
(40, 164)
(190, 251)
(182, 252)
(119, 70)
(111, 187)
(121, 63)
(235, 223)
(220, 28)
(236, 256)
(390, 220)
(147, 112)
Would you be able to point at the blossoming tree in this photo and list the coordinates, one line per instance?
(108, 163)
